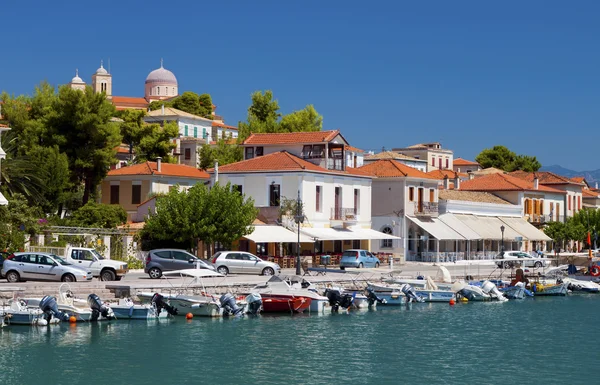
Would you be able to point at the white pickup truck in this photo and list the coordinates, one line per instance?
(105, 269)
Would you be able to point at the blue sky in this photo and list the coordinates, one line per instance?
(470, 74)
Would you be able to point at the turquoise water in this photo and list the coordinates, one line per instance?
(534, 341)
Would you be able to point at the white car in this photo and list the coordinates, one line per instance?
(242, 262)
(510, 259)
(26, 266)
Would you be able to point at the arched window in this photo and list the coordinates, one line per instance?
(387, 243)
(157, 90)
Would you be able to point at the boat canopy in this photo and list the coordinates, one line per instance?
(195, 273)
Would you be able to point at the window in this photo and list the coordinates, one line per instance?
(244, 245)
(557, 211)
(136, 194)
(259, 151)
(157, 90)
(356, 201)
(411, 194)
(262, 249)
(233, 256)
(447, 163)
(181, 256)
(356, 244)
(274, 195)
(387, 243)
(431, 195)
(569, 202)
(307, 151)
(204, 135)
(440, 163)
(173, 90)
(318, 204)
(318, 151)
(188, 154)
(337, 247)
(433, 161)
(249, 152)
(578, 203)
(185, 130)
(238, 188)
(195, 132)
(114, 194)
(163, 254)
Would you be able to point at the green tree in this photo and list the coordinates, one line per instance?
(224, 152)
(307, 119)
(18, 219)
(80, 124)
(190, 102)
(504, 159)
(53, 169)
(147, 141)
(525, 163)
(558, 232)
(98, 215)
(206, 104)
(263, 115)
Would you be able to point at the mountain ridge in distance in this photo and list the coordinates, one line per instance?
(591, 176)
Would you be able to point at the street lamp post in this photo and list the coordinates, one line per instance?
(298, 218)
(502, 245)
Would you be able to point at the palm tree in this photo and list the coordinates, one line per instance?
(18, 174)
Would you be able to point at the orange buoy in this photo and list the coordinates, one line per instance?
(72, 319)
(452, 302)
(189, 316)
(595, 271)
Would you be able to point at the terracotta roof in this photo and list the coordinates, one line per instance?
(353, 149)
(471, 196)
(280, 161)
(488, 171)
(544, 177)
(122, 149)
(464, 162)
(170, 111)
(441, 174)
(132, 226)
(392, 155)
(503, 182)
(293, 137)
(580, 179)
(590, 194)
(126, 101)
(217, 124)
(167, 169)
(388, 168)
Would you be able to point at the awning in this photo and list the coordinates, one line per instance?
(527, 229)
(438, 229)
(331, 234)
(451, 221)
(488, 227)
(273, 233)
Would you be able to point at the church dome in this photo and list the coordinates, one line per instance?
(77, 79)
(161, 75)
(101, 70)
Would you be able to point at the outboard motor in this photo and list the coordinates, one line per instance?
(337, 299)
(50, 308)
(411, 294)
(372, 297)
(491, 289)
(229, 305)
(160, 303)
(99, 308)
(254, 301)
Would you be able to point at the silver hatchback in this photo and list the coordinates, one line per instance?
(242, 262)
(42, 267)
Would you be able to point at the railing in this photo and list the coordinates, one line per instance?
(335, 164)
(343, 214)
(541, 218)
(426, 208)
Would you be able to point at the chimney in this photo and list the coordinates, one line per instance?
(162, 109)
(456, 181)
(446, 183)
(216, 171)
(158, 164)
(536, 182)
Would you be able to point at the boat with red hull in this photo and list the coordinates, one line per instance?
(285, 304)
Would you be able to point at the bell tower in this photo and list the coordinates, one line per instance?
(102, 81)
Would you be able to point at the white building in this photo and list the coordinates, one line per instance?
(419, 164)
(436, 156)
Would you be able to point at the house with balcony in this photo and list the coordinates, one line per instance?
(437, 158)
(573, 198)
(354, 156)
(540, 204)
(130, 186)
(326, 149)
(419, 164)
(403, 198)
(336, 203)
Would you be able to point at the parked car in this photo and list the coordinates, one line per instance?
(3, 256)
(25, 266)
(160, 260)
(359, 259)
(242, 262)
(510, 259)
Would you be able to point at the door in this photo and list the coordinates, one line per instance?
(363, 258)
(27, 265)
(420, 200)
(166, 260)
(234, 262)
(337, 203)
(251, 264)
(182, 260)
(86, 260)
(51, 269)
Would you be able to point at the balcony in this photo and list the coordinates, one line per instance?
(427, 209)
(541, 219)
(343, 214)
(335, 164)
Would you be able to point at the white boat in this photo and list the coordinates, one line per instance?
(19, 313)
(385, 295)
(204, 305)
(126, 309)
(470, 292)
(582, 286)
(441, 281)
(292, 286)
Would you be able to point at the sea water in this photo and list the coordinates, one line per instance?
(531, 341)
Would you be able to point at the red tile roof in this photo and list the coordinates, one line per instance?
(167, 169)
(544, 177)
(280, 161)
(292, 137)
(590, 194)
(464, 162)
(441, 174)
(388, 168)
(217, 124)
(503, 182)
(353, 149)
(122, 102)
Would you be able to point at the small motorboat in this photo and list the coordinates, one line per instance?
(45, 312)
(578, 285)
(285, 304)
(518, 291)
(126, 309)
(291, 287)
(559, 289)
(387, 296)
(470, 292)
